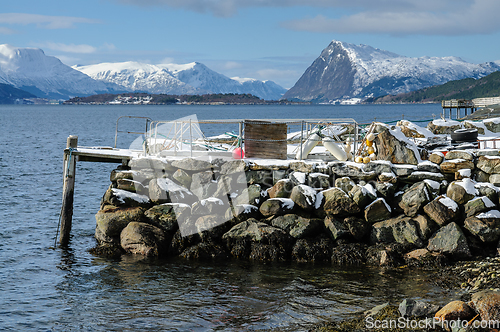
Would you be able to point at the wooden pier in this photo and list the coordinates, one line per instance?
(457, 105)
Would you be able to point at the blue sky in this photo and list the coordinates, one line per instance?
(264, 39)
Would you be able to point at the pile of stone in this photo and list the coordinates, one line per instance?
(382, 212)
(480, 313)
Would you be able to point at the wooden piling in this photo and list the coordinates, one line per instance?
(68, 190)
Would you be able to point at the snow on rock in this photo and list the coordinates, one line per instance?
(449, 203)
(211, 200)
(433, 184)
(121, 195)
(489, 214)
(469, 186)
(285, 202)
(446, 123)
(466, 173)
(168, 185)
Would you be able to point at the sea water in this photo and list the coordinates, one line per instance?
(46, 288)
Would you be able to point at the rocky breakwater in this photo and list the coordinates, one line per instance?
(383, 212)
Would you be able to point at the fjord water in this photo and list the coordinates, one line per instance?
(45, 288)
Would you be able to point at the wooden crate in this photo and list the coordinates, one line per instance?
(265, 140)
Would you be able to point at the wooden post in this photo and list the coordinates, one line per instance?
(68, 190)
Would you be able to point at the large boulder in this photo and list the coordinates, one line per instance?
(304, 196)
(203, 184)
(478, 205)
(450, 240)
(454, 165)
(120, 197)
(144, 239)
(297, 226)
(281, 189)
(277, 207)
(417, 308)
(393, 146)
(256, 240)
(442, 210)
(239, 213)
(337, 202)
(167, 216)
(377, 211)
(336, 228)
(208, 206)
(415, 198)
(487, 304)
(363, 195)
(345, 183)
(358, 227)
(110, 221)
(486, 226)
(164, 190)
(253, 195)
(402, 230)
(454, 311)
(462, 191)
(489, 164)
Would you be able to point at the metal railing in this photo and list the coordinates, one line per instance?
(182, 136)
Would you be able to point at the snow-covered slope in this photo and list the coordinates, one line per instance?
(346, 70)
(191, 78)
(135, 76)
(31, 70)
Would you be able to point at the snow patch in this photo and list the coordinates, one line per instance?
(449, 203)
(489, 214)
(121, 195)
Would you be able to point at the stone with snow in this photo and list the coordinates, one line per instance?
(436, 157)
(120, 197)
(239, 213)
(446, 126)
(478, 205)
(492, 125)
(337, 202)
(423, 175)
(252, 195)
(452, 166)
(450, 240)
(488, 190)
(209, 205)
(379, 166)
(233, 166)
(388, 177)
(304, 197)
(363, 195)
(428, 166)
(164, 190)
(378, 210)
(277, 207)
(442, 210)
(494, 179)
(203, 184)
(351, 170)
(386, 190)
(460, 154)
(404, 170)
(489, 164)
(318, 180)
(282, 189)
(415, 198)
(262, 177)
(192, 164)
(462, 191)
(345, 183)
(393, 146)
(486, 229)
(298, 177)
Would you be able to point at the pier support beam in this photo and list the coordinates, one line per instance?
(68, 190)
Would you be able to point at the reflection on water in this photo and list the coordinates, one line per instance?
(134, 293)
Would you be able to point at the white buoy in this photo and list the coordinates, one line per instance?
(307, 147)
(334, 149)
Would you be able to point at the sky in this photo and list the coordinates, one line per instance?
(263, 39)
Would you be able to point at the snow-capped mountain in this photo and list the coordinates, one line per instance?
(191, 78)
(31, 70)
(346, 70)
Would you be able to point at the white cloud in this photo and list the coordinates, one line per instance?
(232, 65)
(474, 17)
(44, 21)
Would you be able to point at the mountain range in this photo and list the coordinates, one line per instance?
(344, 71)
(45, 76)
